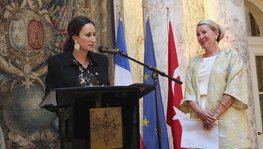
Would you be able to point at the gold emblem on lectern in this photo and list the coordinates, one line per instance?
(106, 128)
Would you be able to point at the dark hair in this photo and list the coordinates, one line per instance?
(74, 28)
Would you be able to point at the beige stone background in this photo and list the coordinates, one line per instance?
(184, 14)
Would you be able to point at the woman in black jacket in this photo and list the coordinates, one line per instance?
(78, 66)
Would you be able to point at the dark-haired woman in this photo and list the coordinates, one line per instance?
(78, 66)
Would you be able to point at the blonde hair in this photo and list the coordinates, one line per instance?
(214, 27)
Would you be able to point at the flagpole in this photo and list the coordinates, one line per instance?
(155, 82)
(168, 17)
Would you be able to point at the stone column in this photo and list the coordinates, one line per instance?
(193, 12)
(160, 12)
(230, 14)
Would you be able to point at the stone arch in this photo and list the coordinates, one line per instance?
(256, 9)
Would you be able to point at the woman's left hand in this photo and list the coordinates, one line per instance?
(208, 125)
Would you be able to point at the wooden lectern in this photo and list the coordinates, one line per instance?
(110, 115)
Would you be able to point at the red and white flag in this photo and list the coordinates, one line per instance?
(175, 94)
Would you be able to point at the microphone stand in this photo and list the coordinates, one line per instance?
(155, 73)
(154, 70)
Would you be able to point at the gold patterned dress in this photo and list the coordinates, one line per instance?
(227, 77)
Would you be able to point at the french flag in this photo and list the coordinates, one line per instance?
(122, 72)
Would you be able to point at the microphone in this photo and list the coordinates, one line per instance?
(104, 49)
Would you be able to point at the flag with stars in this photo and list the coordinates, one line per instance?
(149, 122)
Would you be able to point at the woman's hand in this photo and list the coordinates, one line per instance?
(207, 117)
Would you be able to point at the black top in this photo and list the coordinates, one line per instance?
(65, 71)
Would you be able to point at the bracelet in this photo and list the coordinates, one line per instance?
(223, 104)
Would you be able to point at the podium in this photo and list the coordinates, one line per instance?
(98, 117)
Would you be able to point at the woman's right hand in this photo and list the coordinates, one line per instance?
(207, 118)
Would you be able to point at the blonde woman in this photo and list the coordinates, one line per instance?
(215, 88)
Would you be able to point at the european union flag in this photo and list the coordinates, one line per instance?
(150, 137)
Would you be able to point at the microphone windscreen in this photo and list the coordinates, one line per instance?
(103, 49)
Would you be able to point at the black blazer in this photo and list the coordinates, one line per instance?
(63, 72)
